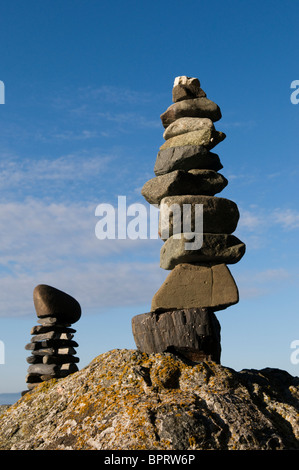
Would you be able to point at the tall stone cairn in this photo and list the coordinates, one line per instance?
(52, 345)
(182, 319)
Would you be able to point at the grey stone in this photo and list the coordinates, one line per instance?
(190, 83)
(209, 138)
(187, 124)
(220, 215)
(51, 335)
(198, 107)
(180, 93)
(53, 351)
(46, 328)
(187, 158)
(52, 302)
(216, 249)
(192, 333)
(34, 346)
(59, 359)
(33, 379)
(34, 359)
(186, 88)
(52, 321)
(179, 182)
(42, 369)
(51, 370)
(192, 286)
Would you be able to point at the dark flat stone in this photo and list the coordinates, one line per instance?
(188, 157)
(38, 329)
(60, 359)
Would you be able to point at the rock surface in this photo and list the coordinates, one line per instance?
(192, 286)
(178, 182)
(185, 88)
(197, 107)
(216, 249)
(207, 137)
(56, 311)
(128, 400)
(220, 215)
(52, 302)
(191, 333)
(183, 125)
(188, 157)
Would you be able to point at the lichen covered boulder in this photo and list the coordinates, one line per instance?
(127, 400)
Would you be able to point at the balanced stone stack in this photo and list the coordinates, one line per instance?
(52, 345)
(182, 318)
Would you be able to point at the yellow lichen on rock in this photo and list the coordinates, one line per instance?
(129, 400)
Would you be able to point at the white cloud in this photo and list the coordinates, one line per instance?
(254, 284)
(39, 236)
(239, 124)
(30, 172)
(97, 287)
(250, 220)
(287, 218)
(56, 244)
(257, 218)
(113, 94)
(132, 119)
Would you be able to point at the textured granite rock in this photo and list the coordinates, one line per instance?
(185, 124)
(216, 248)
(185, 88)
(197, 107)
(209, 138)
(129, 400)
(220, 215)
(179, 182)
(188, 157)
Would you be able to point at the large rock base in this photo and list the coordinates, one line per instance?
(192, 333)
(128, 400)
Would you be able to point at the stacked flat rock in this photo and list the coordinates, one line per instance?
(52, 345)
(182, 317)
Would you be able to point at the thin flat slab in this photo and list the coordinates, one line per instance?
(187, 157)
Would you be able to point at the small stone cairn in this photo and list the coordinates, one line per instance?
(182, 318)
(52, 345)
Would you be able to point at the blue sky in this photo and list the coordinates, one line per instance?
(85, 84)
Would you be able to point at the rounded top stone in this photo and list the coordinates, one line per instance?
(52, 302)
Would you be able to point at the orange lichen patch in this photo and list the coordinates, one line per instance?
(129, 400)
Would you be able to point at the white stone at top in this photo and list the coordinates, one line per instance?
(183, 80)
